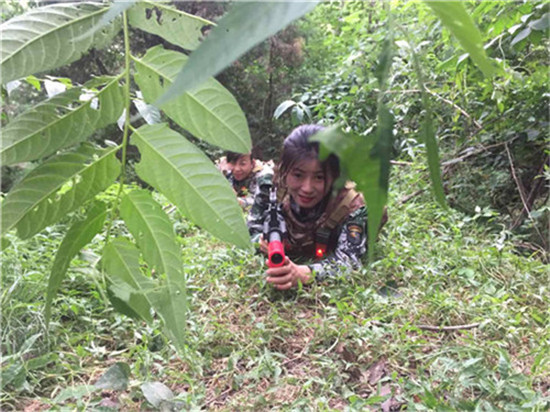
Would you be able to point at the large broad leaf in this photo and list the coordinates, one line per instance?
(120, 261)
(209, 111)
(156, 239)
(78, 236)
(47, 37)
(153, 232)
(58, 187)
(177, 27)
(60, 122)
(366, 163)
(454, 16)
(184, 174)
(244, 26)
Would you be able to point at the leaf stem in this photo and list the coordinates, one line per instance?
(114, 209)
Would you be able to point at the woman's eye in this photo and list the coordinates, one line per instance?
(297, 175)
(320, 178)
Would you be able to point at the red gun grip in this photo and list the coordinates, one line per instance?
(275, 254)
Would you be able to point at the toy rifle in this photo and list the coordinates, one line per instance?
(274, 231)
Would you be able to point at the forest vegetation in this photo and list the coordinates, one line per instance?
(128, 278)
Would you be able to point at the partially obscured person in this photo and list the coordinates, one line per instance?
(242, 170)
(325, 227)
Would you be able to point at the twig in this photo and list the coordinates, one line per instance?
(398, 163)
(214, 399)
(169, 209)
(405, 199)
(521, 194)
(460, 109)
(449, 102)
(448, 328)
(475, 152)
(533, 193)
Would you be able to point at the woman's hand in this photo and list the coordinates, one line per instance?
(263, 244)
(289, 275)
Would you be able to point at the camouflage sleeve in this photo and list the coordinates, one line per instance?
(351, 246)
(256, 217)
(246, 202)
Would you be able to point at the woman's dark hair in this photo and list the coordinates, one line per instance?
(297, 148)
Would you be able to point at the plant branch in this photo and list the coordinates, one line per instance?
(521, 193)
(457, 107)
(114, 210)
(448, 328)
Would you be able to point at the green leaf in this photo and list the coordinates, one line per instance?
(78, 236)
(454, 16)
(57, 187)
(115, 378)
(244, 26)
(155, 237)
(153, 232)
(541, 24)
(156, 393)
(76, 392)
(184, 174)
(522, 35)
(283, 107)
(174, 26)
(208, 112)
(120, 261)
(45, 38)
(60, 122)
(33, 81)
(428, 135)
(364, 160)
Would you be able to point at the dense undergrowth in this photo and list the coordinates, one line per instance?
(364, 341)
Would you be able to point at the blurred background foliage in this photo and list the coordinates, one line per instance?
(493, 133)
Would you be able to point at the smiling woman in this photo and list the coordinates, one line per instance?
(325, 228)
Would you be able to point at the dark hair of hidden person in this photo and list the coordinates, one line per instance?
(323, 225)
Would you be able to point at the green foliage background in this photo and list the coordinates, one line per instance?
(393, 81)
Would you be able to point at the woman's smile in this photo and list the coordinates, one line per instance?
(306, 183)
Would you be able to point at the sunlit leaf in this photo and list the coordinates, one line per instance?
(78, 236)
(115, 378)
(156, 393)
(45, 38)
(208, 111)
(283, 107)
(521, 36)
(58, 187)
(177, 27)
(60, 122)
(244, 26)
(454, 16)
(183, 173)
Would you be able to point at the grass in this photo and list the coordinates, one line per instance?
(348, 344)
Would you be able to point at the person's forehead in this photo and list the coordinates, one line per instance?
(309, 165)
(243, 158)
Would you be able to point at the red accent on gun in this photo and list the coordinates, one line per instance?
(275, 254)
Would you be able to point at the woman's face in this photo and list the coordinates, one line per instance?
(306, 183)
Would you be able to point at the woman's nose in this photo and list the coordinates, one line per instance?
(307, 185)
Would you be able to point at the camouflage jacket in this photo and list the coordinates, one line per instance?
(349, 236)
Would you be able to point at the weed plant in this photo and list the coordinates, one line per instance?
(369, 340)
